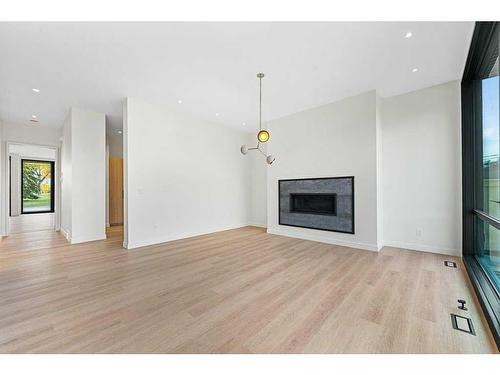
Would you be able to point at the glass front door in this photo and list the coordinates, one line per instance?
(37, 179)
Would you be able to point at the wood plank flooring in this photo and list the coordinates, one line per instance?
(238, 291)
(31, 223)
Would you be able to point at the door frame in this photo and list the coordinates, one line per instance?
(52, 187)
(6, 195)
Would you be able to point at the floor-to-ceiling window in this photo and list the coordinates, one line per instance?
(488, 244)
(481, 168)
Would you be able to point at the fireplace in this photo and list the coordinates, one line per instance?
(313, 203)
(325, 203)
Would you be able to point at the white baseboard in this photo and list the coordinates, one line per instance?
(424, 248)
(76, 240)
(178, 236)
(66, 235)
(259, 225)
(324, 239)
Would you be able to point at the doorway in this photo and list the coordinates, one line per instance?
(115, 191)
(32, 188)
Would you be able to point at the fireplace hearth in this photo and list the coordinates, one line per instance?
(325, 203)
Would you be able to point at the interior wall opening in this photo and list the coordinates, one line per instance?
(32, 188)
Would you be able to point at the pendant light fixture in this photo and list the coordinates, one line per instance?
(263, 135)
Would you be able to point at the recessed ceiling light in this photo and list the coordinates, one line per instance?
(217, 114)
(36, 90)
(244, 123)
(408, 35)
(414, 70)
(33, 116)
(179, 101)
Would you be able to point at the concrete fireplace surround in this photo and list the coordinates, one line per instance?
(326, 203)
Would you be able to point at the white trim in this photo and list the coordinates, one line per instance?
(178, 236)
(87, 239)
(424, 248)
(30, 157)
(66, 235)
(259, 225)
(324, 239)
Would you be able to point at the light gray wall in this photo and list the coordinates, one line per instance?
(84, 176)
(66, 178)
(15, 185)
(115, 142)
(405, 154)
(183, 176)
(421, 170)
(338, 139)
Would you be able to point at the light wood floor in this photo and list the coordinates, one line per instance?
(239, 291)
(31, 223)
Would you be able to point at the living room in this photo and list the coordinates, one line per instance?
(250, 187)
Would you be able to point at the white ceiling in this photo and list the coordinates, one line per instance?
(211, 67)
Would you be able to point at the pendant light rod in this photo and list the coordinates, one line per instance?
(260, 76)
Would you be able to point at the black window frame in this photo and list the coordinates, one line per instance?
(52, 188)
(484, 41)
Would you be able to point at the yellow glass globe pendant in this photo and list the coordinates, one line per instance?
(263, 135)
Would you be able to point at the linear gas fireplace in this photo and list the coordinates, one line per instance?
(313, 203)
(318, 203)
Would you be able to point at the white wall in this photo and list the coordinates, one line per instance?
(258, 185)
(15, 185)
(115, 141)
(405, 154)
(183, 176)
(66, 178)
(338, 139)
(421, 170)
(84, 176)
(37, 152)
(32, 134)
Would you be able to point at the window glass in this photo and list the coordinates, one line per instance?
(488, 250)
(491, 145)
(37, 186)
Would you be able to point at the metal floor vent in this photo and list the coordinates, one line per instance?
(449, 263)
(461, 323)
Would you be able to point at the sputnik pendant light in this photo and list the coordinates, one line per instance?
(263, 135)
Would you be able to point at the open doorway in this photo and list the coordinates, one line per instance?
(32, 188)
(114, 183)
(114, 140)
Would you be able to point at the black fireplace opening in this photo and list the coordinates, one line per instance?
(314, 203)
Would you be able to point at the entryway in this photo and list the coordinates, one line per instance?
(32, 188)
